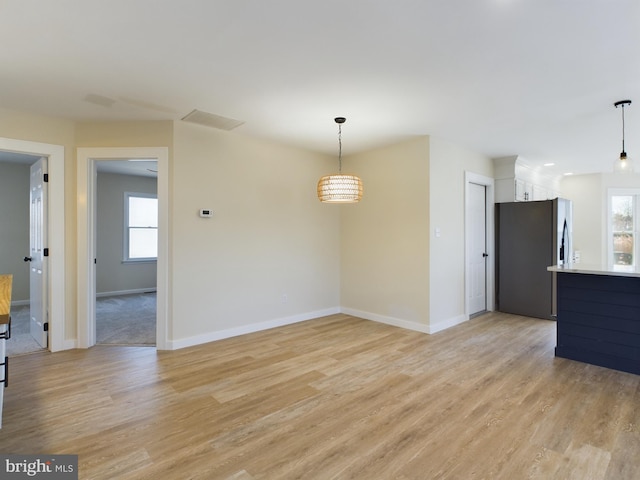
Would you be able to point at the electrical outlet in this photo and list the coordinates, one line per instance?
(285, 298)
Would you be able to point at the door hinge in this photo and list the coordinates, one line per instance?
(46, 178)
(46, 326)
(45, 252)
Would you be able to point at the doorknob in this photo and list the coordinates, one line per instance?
(27, 259)
(485, 255)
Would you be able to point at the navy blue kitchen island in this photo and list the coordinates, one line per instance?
(598, 315)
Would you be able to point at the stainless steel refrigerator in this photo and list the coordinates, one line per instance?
(530, 236)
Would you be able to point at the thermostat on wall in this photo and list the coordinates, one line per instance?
(206, 213)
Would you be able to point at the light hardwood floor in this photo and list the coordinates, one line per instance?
(337, 397)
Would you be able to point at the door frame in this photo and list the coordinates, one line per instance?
(86, 190)
(488, 183)
(56, 291)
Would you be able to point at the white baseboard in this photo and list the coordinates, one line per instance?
(251, 328)
(407, 324)
(69, 345)
(448, 323)
(396, 322)
(280, 322)
(126, 292)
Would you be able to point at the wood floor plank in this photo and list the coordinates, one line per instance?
(332, 398)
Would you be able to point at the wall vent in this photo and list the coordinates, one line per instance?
(211, 120)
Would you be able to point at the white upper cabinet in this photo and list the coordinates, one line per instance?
(515, 181)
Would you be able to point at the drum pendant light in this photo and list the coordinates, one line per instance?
(340, 187)
(624, 163)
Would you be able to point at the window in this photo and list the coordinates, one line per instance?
(623, 226)
(141, 227)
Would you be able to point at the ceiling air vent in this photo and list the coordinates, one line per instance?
(99, 100)
(211, 120)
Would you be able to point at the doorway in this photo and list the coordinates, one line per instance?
(88, 159)
(17, 250)
(126, 252)
(54, 281)
(479, 244)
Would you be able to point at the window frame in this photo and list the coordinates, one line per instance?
(623, 192)
(126, 235)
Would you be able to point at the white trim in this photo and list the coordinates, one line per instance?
(406, 324)
(56, 233)
(245, 329)
(488, 183)
(86, 175)
(608, 240)
(448, 323)
(396, 322)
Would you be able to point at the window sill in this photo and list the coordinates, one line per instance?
(135, 261)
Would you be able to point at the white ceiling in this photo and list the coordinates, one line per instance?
(141, 168)
(12, 157)
(535, 78)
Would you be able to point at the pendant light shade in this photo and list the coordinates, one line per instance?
(339, 187)
(623, 164)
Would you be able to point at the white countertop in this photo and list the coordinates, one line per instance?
(592, 269)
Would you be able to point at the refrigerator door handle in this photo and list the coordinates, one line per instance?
(565, 234)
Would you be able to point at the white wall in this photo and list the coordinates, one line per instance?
(14, 233)
(448, 163)
(385, 237)
(112, 275)
(589, 196)
(394, 268)
(271, 238)
(270, 254)
(586, 193)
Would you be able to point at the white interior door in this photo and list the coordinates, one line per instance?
(478, 248)
(37, 254)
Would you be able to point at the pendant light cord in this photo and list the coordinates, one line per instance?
(622, 103)
(340, 147)
(623, 128)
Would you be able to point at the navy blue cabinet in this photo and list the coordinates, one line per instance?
(599, 320)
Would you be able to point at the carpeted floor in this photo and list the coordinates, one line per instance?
(21, 341)
(120, 320)
(126, 319)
